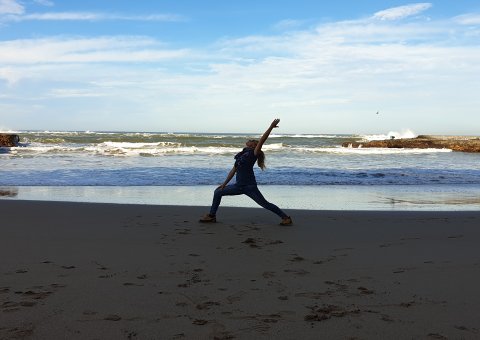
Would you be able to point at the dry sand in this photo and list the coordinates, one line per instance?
(105, 271)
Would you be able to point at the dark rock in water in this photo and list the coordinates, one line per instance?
(9, 139)
(455, 143)
(8, 192)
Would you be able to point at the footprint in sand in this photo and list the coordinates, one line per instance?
(407, 304)
(251, 242)
(207, 305)
(297, 272)
(466, 329)
(130, 335)
(89, 312)
(274, 242)
(199, 322)
(328, 259)
(268, 275)
(328, 311)
(258, 243)
(339, 286)
(436, 336)
(181, 304)
(68, 267)
(20, 333)
(57, 285)
(385, 317)
(385, 245)
(365, 291)
(195, 278)
(100, 266)
(297, 259)
(112, 317)
(235, 297)
(403, 270)
(37, 295)
(315, 295)
(10, 304)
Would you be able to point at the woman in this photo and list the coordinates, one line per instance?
(245, 179)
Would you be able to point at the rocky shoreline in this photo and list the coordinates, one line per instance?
(9, 139)
(455, 143)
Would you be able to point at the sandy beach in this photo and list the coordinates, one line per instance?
(112, 271)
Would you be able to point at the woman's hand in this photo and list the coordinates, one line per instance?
(220, 187)
(275, 123)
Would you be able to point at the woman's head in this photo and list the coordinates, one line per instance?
(251, 143)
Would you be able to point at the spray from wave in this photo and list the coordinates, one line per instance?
(405, 133)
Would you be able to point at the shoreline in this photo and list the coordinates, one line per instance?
(94, 270)
(329, 197)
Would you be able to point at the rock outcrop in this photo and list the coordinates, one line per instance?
(8, 192)
(9, 139)
(455, 143)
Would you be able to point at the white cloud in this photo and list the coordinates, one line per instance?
(102, 49)
(10, 75)
(14, 11)
(60, 16)
(44, 2)
(91, 16)
(11, 7)
(75, 93)
(401, 12)
(468, 19)
(288, 24)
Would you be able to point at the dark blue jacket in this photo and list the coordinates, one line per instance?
(244, 162)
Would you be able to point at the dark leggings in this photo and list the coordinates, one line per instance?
(249, 190)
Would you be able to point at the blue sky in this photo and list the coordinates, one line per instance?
(233, 66)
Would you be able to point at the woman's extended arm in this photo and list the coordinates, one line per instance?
(229, 177)
(262, 140)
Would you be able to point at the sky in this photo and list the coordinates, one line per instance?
(233, 66)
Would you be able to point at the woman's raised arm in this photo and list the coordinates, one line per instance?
(262, 140)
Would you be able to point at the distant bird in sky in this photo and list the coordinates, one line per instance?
(378, 112)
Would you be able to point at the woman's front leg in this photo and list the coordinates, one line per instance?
(229, 190)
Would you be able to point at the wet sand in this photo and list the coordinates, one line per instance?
(106, 271)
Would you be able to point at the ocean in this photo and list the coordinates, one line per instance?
(303, 171)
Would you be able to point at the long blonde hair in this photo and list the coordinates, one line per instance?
(261, 160)
(260, 156)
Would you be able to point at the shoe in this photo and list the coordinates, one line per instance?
(208, 219)
(286, 221)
